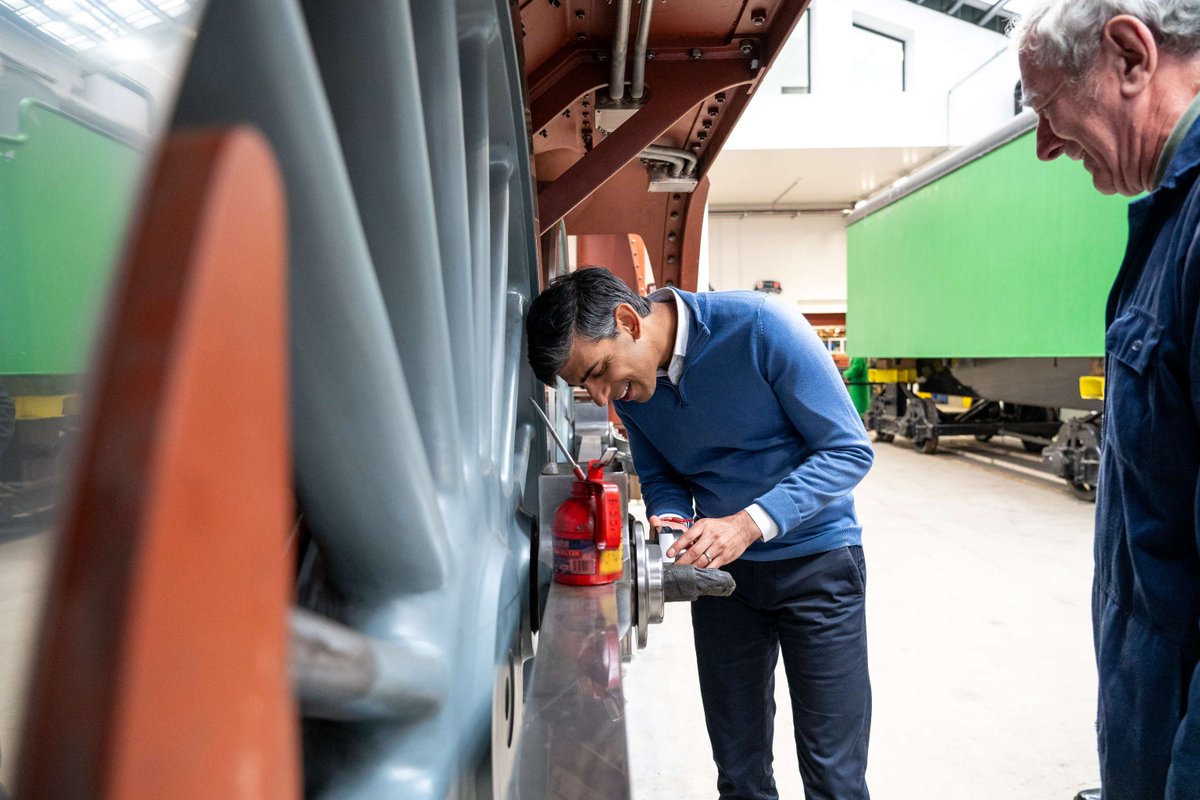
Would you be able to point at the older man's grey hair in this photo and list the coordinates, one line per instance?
(1065, 34)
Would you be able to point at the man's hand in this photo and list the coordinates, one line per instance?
(716, 542)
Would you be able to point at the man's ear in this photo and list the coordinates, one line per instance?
(629, 320)
(1129, 45)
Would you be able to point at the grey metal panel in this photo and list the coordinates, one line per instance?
(436, 29)
(477, 31)
(367, 498)
(369, 68)
(501, 359)
(1052, 382)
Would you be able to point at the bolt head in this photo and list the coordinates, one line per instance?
(720, 97)
(696, 54)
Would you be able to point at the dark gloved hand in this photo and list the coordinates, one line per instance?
(687, 583)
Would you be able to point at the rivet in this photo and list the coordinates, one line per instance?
(713, 110)
(707, 123)
(674, 215)
(702, 135)
(672, 236)
(758, 17)
(720, 97)
(671, 259)
(581, 37)
(676, 197)
(696, 54)
(580, 14)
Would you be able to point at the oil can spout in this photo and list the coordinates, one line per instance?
(579, 473)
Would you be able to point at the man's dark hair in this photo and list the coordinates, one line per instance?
(578, 304)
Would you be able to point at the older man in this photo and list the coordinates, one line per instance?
(1114, 84)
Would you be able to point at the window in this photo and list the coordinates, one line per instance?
(795, 62)
(878, 60)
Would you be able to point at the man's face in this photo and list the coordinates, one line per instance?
(620, 368)
(1083, 121)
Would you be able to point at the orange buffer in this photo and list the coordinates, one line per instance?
(162, 672)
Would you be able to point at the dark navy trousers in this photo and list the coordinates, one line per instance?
(812, 610)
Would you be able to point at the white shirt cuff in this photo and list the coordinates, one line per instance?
(764, 522)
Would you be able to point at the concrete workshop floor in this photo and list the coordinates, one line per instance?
(24, 567)
(980, 647)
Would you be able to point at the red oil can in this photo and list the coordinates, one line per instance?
(587, 532)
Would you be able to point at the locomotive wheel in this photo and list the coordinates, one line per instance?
(1084, 491)
(983, 437)
(880, 436)
(928, 445)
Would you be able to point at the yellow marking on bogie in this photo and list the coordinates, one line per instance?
(46, 406)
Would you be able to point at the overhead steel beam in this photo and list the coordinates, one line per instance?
(685, 85)
(996, 8)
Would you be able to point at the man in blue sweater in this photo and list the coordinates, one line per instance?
(1116, 84)
(737, 417)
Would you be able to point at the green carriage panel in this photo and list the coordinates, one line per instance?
(1004, 257)
(65, 195)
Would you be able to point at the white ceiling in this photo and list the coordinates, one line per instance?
(746, 180)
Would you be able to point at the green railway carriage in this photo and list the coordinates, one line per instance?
(986, 276)
(66, 189)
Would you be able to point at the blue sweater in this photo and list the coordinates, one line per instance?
(760, 416)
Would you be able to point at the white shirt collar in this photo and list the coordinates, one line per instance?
(683, 325)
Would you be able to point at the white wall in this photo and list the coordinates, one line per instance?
(806, 253)
(940, 52)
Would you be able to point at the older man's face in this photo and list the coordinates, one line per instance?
(1083, 122)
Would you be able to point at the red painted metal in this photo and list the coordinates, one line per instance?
(683, 86)
(162, 672)
(708, 57)
(615, 252)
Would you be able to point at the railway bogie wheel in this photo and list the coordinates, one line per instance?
(1084, 491)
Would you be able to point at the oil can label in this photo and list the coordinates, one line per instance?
(611, 561)
(576, 558)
